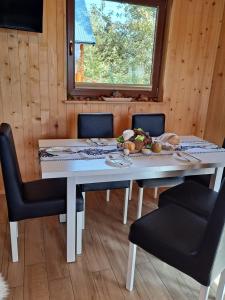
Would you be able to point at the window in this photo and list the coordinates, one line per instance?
(115, 46)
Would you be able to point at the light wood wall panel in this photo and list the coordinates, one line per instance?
(33, 78)
(215, 125)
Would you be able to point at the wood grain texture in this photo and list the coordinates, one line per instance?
(33, 79)
(215, 126)
(99, 275)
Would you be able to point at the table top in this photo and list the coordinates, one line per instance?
(142, 166)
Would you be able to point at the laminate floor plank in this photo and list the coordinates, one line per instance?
(149, 285)
(100, 272)
(92, 247)
(82, 280)
(36, 285)
(16, 293)
(61, 289)
(14, 272)
(106, 285)
(55, 248)
(34, 242)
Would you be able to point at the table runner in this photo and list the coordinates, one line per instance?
(95, 151)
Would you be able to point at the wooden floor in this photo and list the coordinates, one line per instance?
(42, 272)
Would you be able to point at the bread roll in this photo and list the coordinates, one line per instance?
(174, 140)
(130, 146)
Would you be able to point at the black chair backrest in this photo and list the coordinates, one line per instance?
(95, 125)
(212, 251)
(223, 146)
(10, 170)
(152, 123)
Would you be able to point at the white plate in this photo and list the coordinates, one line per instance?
(111, 99)
(117, 160)
(57, 149)
(146, 151)
(180, 157)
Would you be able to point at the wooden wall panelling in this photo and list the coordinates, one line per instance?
(171, 59)
(5, 72)
(71, 119)
(3, 63)
(186, 61)
(188, 110)
(178, 45)
(44, 77)
(35, 94)
(52, 66)
(26, 103)
(208, 58)
(193, 71)
(15, 83)
(33, 79)
(61, 70)
(215, 125)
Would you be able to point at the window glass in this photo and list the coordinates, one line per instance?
(114, 43)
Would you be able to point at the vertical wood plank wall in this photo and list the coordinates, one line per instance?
(33, 78)
(215, 126)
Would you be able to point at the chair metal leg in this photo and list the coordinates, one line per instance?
(140, 201)
(130, 190)
(14, 243)
(155, 192)
(17, 230)
(131, 266)
(107, 195)
(125, 209)
(221, 287)
(79, 232)
(204, 292)
(84, 197)
(62, 218)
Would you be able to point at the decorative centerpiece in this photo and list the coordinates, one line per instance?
(137, 140)
(133, 141)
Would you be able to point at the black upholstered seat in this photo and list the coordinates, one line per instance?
(169, 233)
(204, 179)
(159, 182)
(155, 125)
(185, 240)
(26, 200)
(48, 195)
(99, 125)
(191, 195)
(102, 186)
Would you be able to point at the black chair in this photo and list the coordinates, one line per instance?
(26, 200)
(185, 240)
(155, 125)
(100, 125)
(204, 179)
(192, 196)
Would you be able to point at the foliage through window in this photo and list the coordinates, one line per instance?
(114, 45)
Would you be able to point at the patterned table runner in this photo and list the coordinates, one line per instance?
(95, 151)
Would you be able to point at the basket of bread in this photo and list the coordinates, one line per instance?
(137, 140)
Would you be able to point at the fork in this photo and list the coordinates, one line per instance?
(182, 156)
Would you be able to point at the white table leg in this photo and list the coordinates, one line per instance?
(140, 201)
(215, 180)
(71, 219)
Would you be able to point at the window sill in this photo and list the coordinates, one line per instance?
(109, 102)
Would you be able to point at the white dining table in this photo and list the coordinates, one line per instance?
(143, 167)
